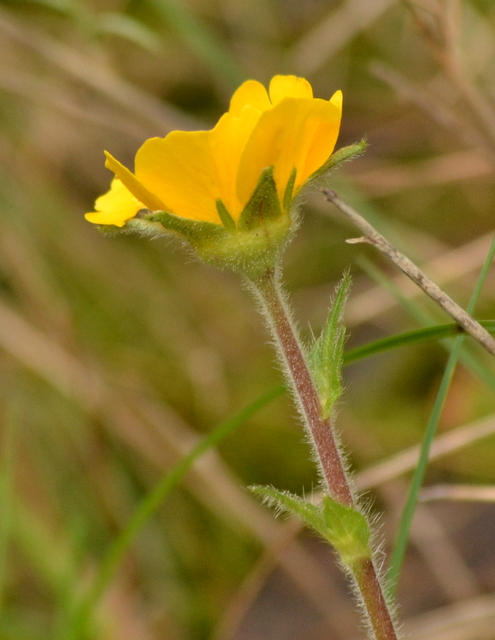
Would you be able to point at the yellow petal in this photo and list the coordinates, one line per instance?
(179, 169)
(296, 133)
(251, 93)
(289, 87)
(129, 180)
(187, 172)
(190, 170)
(337, 99)
(227, 142)
(115, 207)
(321, 135)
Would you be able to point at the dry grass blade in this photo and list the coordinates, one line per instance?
(455, 68)
(386, 178)
(442, 556)
(139, 423)
(86, 68)
(403, 462)
(340, 27)
(465, 620)
(458, 492)
(437, 108)
(46, 93)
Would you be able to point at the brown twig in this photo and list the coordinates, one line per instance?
(457, 313)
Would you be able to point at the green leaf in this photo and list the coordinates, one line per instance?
(345, 528)
(263, 204)
(350, 531)
(327, 354)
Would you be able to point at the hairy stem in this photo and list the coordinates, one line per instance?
(325, 445)
(377, 611)
(296, 368)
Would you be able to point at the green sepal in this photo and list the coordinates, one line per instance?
(263, 205)
(289, 189)
(349, 531)
(191, 230)
(345, 528)
(227, 220)
(327, 353)
(251, 247)
(345, 154)
(142, 226)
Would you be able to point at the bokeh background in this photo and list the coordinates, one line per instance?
(117, 355)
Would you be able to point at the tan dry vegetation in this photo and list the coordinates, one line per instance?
(118, 354)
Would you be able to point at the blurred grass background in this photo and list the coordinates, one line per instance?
(117, 355)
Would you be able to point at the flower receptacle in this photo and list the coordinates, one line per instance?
(250, 246)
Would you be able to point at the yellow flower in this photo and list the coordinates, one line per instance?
(202, 175)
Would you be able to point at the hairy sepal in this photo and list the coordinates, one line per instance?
(252, 246)
(343, 155)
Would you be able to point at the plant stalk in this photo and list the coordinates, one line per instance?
(325, 444)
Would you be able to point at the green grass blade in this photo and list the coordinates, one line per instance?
(151, 503)
(417, 336)
(419, 473)
(7, 491)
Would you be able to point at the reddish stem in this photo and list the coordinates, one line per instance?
(366, 577)
(325, 443)
(321, 431)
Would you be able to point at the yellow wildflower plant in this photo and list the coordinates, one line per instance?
(218, 188)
